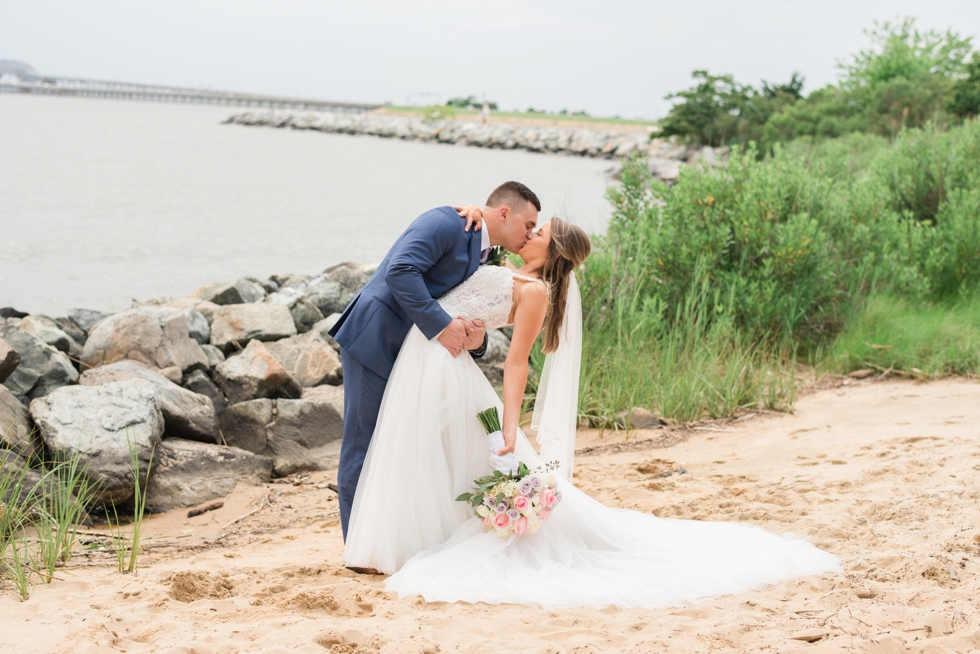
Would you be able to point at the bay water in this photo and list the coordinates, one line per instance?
(106, 201)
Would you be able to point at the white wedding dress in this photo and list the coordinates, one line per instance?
(427, 449)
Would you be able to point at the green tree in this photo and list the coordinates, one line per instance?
(709, 112)
(966, 92)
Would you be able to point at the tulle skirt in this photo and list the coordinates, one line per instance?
(427, 449)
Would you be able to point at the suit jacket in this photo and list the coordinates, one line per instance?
(432, 256)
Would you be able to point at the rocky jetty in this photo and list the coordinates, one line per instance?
(664, 156)
(237, 383)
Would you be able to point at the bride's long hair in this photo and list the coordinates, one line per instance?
(568, 248)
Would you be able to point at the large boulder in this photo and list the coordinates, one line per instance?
(86, 319)
(214, 354)
(15, 426)
(308, 358)
(240, 291)
(187, 473)
(253, 374)
(305, 314)
(159, 337)
(99, 424)
(200, 383)
(185, 413)
(42, 368)
(240, 323)
(32, 486)
(297, 434)
(9, 360)
(332, 395)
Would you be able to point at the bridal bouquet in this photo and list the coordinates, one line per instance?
(515, 501)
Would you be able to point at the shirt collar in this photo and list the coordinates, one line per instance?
(484, 237)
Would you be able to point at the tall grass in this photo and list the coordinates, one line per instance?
(912, 337)
(702, 295)
(127, 546)
(38, 523)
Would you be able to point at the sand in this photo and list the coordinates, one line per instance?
(884, 475)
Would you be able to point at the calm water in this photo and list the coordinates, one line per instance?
(105, 201)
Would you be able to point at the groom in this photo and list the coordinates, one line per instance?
(432, 256)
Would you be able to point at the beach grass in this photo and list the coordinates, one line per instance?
(915, 338)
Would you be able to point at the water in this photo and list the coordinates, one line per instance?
(103, 201)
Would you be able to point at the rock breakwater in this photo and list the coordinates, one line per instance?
(665, 156)
(236, 383)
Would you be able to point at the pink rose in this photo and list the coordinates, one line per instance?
(520, 526)
(501, 520)
(547, 498)
(521, 503)
(544, 514)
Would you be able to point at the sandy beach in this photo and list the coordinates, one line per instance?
(882, 474)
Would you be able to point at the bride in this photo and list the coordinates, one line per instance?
(428, 447)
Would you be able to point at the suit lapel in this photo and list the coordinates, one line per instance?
(475, 242)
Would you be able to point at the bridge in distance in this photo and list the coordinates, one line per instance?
(16, 77)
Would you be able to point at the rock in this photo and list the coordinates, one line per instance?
(240, 291)
(98, 424)
(86, 318)
(305, 314)
(214, 355)
(10, 312)
(9, 360)
(173, 374)
(297, 434)
(198, 327)
(187, 473)
(290, 281)
(332, 395)
(308, 358)
(492, 363)
(8, 325)
(33, 484)
(332, 291)
(48, 331)
(15, 426)
(253, 374)
(186, 414)
(240, 323)
(42, 368)
(639, 418)
(200, 383)
(77, 333)
(667, 170)
(268, 285)
(323, 329)
(861, 374)
(158, 337)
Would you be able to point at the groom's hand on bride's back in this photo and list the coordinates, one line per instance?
(453, 337)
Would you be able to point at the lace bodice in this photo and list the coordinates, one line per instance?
(488, 295)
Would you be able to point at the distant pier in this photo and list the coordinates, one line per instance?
(89, 88)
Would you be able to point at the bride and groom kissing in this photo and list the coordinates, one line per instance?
(412, 441)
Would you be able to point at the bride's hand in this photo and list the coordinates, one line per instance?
(510, 441)
(473, 216)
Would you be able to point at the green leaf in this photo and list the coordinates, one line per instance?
(465, 497)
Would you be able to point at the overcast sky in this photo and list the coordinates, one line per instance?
(608, 58)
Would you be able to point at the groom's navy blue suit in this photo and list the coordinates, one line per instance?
(433, 255)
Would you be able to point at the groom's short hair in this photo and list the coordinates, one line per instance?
(513, 194)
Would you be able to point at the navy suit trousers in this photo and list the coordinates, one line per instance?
(363, 392)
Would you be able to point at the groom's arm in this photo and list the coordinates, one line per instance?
(423, 245)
